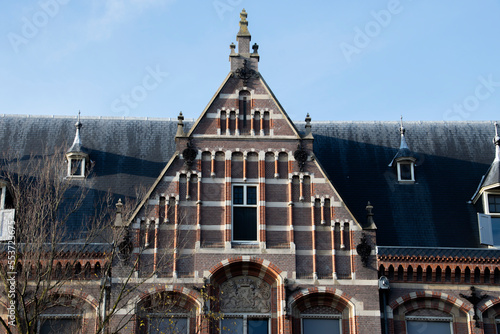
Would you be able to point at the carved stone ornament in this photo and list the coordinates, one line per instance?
(300, 156)
(189, 154)
(245, 294)
(245, 72)
(364, 250)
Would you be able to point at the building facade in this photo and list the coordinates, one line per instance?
(253, 223)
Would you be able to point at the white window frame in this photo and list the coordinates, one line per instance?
(449, 320)
(3, 194)
(82, 167)
(321, 316)
(59, 316)
(170, 315)
(412, 171)
(256, 206)
(245, 317)
(485, 223)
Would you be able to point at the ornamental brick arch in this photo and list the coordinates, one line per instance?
(248, 285)
(325, 301)
(490, 311)
(167, 302)
(432, 301)
(243, 266)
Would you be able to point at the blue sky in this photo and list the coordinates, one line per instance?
(337, 60)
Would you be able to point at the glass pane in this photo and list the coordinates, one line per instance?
(405, 171)
(60, 326)
(238, 195)
(323, 326)
(257, 326)
(428, 327)
(245, 224)
(494, 203)
(76, 167)
(168, 325)
(251, 195)
(232, 325)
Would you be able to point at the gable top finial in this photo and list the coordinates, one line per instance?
(77, 142)
(243, 24)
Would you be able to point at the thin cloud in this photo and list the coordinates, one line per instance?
(108, 15)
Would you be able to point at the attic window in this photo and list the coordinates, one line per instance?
(406, 171)
(76, 166)
(493, 203)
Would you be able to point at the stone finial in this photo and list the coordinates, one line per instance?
(233, 48)
(243, 24)
(255, 47)
(369, 217)
(180, 126)
(118, 217)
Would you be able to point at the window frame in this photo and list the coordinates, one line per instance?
(412, 171)
(245, 205)
(321, 316)
(485, 221)
(448, 320)
(170, 316)
(82, 160)
(245, 317)
(44, 317)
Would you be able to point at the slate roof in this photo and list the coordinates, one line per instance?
(452, 157)
(435, 211)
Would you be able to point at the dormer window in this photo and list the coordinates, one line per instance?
(493, 203)
(76, 166)
(404, 160)
(406, 171)
(76, 156)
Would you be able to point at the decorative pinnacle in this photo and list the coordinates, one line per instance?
(402, 130)
(496, 140)
(78, 124)
(243, 24)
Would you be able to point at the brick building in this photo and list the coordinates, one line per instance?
(282, 226)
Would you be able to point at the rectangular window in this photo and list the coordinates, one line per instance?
(489, 229)
(494, 203)
(323, 326)
(244, 325)
(168, 325)
(244, 213)
(428, 327)
(60, 326)
(405, 171)
(76, 167)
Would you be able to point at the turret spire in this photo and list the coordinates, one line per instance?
(77, 142)
(402, 130)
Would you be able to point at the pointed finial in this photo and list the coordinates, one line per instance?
(308, 124)
(78, 124)
(369, 217)
(402, 131)
(233, 48)
(180, 126)
(243, 24)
